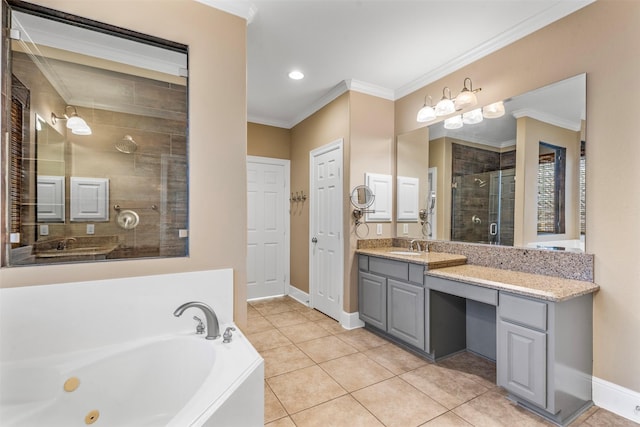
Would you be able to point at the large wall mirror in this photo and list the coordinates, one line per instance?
(516, 180)
(97, 118)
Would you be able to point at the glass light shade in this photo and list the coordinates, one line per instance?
(445, 106)
(465, 99)
(493, 111)
(472, 117)
(454, 122)
(75, 122)
(426, 114)
(81, 130)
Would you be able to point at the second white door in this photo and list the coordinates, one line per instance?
(326, 246)
(267, 227)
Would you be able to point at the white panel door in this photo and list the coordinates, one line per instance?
(267, 227)
(326, 250)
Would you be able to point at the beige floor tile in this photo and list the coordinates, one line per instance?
(475, 367)
(604, 418)
(492, 409)
(343, 411)
(304, 388)
(282, 422)
(326, 348)
(331, 325)
(446, 386)
(397, 403)
(304, 332)
(252, 312)
(447, 420)
(273, 409)
(271, 306)
(286, 318)
(314, 315)
(362, 339)
(356, 371)
(268, 339)
(281, 360)
(396, 359)
(257, 324)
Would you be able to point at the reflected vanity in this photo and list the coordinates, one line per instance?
(98, 163)
(491, 182)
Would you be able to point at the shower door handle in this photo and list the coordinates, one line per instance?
(493, 228)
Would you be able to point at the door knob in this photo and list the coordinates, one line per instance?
(314, 240)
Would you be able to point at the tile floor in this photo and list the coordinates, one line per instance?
(319, 374)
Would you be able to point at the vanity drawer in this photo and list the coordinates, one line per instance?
(390, 268)
(464, 290)
(363, 262)
(523, 311)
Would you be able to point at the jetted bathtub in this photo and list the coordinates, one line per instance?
(110, 353)
(179, 380)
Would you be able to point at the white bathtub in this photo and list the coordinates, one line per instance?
(176, 379)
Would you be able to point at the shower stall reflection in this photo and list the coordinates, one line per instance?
(483, 205)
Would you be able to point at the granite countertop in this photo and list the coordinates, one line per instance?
(534, 285)
(429, 259)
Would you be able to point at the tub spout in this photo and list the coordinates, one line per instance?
(213, 329)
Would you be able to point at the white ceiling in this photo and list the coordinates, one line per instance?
(387, 48)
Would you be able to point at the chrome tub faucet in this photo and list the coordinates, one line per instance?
(213, 328)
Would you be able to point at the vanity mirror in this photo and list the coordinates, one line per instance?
(80, 91)
(489, 178)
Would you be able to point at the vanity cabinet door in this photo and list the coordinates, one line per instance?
(372, 299)
(521, 362)
(405, 315)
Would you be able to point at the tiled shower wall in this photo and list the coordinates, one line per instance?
(474, 190)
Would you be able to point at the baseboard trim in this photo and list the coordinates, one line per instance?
(301, 296)
(617, 399)
(351, 320)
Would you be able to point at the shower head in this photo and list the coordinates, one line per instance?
(480, 182)
(126, 145)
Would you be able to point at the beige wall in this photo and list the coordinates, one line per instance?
(372, 150)
(529, 135)
(597, 40)
(268, 141)
(325, 126)
(217, 143)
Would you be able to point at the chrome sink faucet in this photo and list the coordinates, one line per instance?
(213, 329)
(417, 245)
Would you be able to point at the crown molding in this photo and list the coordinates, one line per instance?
(241, 8)
(251, 118)
(333, 93)
(547, 118)
(370, 89)
(542, 19)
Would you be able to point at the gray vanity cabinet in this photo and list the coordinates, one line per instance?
(544, 355)
(391, 298)
(405, 316)
(372, 299)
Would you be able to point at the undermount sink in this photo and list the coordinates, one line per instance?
(410, 253)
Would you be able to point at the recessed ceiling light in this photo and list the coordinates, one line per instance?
(296, 75)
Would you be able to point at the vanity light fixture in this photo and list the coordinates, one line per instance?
(76, 123)
(465, 99)
(445, 106)
(426, 113)
(467, 96)
(493, 111)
